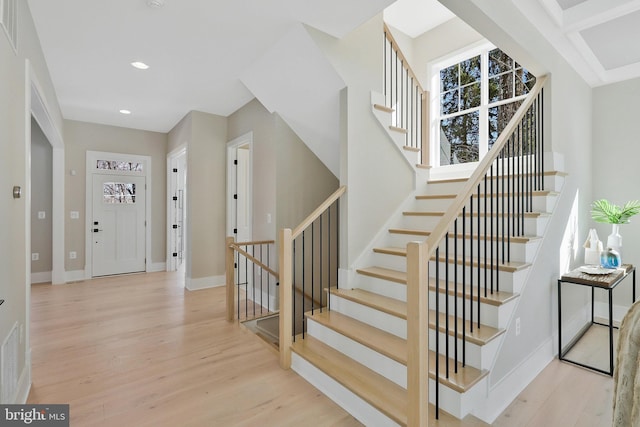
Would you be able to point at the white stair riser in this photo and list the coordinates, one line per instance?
(489, 314)
(382, 287)
(342, 396)
(386, 322)
(480, 357)
(458, 405)
(519, 252)
(534, 226)
(383, 365)
(444, 187)
(540, 203)
(507, 281)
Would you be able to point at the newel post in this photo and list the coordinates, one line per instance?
(230, 273)
(417, 335)
(285, 257)
(425, 149)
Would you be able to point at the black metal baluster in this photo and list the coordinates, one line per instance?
(304, 281)
(464, 285)
(437, 356)
(486, 279)
(293, 284)
(446, 304)
(321, 265)
(480, 233)
(455, 291)
(471, 264)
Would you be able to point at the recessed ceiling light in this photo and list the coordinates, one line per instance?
(155, 3)
(140, 65)
(125, 111)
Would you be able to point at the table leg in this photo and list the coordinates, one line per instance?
(610, 332)
(593, 290)
(559, 320)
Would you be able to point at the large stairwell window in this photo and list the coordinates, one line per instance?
(478, 92)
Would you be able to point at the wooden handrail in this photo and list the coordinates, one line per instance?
(319, 210)
(463, 196)
(256, 242)
(396, 47)
(255, 260)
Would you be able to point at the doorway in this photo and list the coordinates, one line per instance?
(240, 188)
(117, 213)
(118, 230)
(177, 210)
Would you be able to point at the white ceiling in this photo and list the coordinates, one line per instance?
(196, 49)
(415, 17)
(599, 38)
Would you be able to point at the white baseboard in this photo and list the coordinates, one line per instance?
(155, 267)
(601, 312)
(75, 276)
(205, 282)
(500, 395)
(24, 383)
(41, 277)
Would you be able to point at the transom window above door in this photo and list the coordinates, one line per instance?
(478, 92)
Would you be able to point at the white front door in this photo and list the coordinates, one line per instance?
(118, 224)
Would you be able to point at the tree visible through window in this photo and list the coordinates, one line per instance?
(478, 96)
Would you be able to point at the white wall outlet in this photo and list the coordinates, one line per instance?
(75, 214)
(517, 326)
(35, 256)
(73, 255)
(42, 215)
(268, 218)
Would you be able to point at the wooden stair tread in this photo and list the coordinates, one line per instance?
(398, 129)
(475, 214)
(409, 231)
(497, 298)
(383, 108)
(387, 305)
(538, 193)
(376, 339)
(448, 180)
(503, 266)
(414, 232)
(410, 148)
(479, 336)
(388, 397)
(510, 267)
(463, 380)
(384, 273)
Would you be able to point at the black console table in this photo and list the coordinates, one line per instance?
(608, 282)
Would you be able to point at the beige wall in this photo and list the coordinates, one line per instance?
(41, 199)
(81, 137)
(253, 117)
(377, 176)
(568, 131)
(15, 144)
(289, 181)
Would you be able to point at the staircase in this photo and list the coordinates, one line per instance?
(356, 352)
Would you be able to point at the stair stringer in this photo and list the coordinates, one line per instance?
(398, 139)
(458, 404)
(486, 408)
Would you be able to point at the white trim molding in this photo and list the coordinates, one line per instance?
(205, 282)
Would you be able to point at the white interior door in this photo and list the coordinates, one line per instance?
(176, 242)
(243, 194)
(118, 225)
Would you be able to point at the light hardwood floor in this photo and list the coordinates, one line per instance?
(139, 350)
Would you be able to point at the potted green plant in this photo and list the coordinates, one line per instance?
(604, 211)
